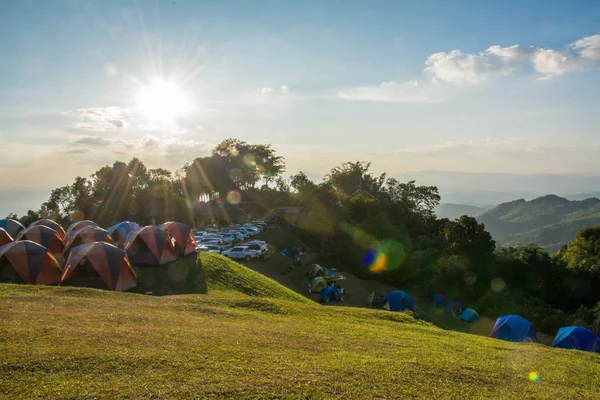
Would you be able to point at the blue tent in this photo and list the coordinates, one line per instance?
(514, 329)
(439, 300)
(398, 301)
(577, 338)
(469, 315)
(330, 293)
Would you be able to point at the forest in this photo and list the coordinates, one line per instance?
(368, 224)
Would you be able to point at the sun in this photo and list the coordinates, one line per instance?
(162, 101)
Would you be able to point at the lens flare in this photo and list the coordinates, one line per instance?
(533, 376)
(384, 256)
(497, 284)
(234, 151)
(234, 197)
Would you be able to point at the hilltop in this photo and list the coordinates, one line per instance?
(453, 211)
(549, 221)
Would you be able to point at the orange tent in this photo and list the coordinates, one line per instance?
(99, 265)
(182, 233)
(4, 237)
(11, 226)
(150, 245)
(45, 236)
(28, 262)
(50, 224)
(85, 234)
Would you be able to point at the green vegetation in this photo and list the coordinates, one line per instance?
(453, 211)
(548, 221)
(82, 343)
(223, 274)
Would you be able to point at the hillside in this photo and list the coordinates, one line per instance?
(453, 211)
(549, 221)
(85, 343)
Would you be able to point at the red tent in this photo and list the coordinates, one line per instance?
(182, 233)
(150, 245)
(99, 265)
(45, 236)
(50, 224)
(5, 238)
(85, 234)
(28, 262)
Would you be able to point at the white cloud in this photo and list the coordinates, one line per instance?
(100, 119)
(411, 91)
(457, 67)
(269, 91)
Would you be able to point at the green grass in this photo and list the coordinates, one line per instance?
(65, 343)
(223, 274)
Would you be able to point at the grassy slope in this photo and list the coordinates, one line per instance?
(84, 343)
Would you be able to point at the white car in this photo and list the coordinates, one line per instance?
(243, 253)
(209, 248)
(263, 245)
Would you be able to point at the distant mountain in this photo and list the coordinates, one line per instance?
(453, 211)
(549, 221)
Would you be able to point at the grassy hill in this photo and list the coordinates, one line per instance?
(85, 343)
(549, 221)
(453, 211)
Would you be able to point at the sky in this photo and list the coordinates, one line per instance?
(465, 86)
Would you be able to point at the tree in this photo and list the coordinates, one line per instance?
(351, 177)
(583, 253)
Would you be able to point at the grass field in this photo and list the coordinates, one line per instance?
(66, 343)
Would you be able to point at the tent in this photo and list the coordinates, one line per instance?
(25, 261)
(85, 234)
(374, 299)
(50, 224)
(315, 270)
(469, 315)
(398, 301)
(330, 293)
(99, 265)
(577, 338)
(150, 245)
(119, 232)
(11, 226)
(513, 328)
(182, 233)
(5, 238)
(45, 236)
(80, 224)
(439, 300)
(317, 284)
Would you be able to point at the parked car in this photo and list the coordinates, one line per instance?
(243, 253)
(209, 248)
(250, 226)
(263, 245)
(249, 231)
(263, 250)
(238, 235)
(228, 237)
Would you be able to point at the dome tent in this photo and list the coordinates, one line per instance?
(317, 284)
(150, 246)
(99, 265)
(5, 238)
(45, 236)
(577, 338)
(469, 315)
(374, 299)
(11, 226)
(119, 232)
(182, 233)
(50, 224)
(330, 293)
(28, 262)
(85, 234)
(513, 328)
(79, 225)
(398, 301)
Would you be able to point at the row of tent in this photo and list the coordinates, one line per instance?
(513, 328)
(91, 252)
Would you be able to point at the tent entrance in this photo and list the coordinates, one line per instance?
(139, 253)
(8, 274)
(85, 275)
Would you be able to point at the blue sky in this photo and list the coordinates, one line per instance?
(408, 85)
